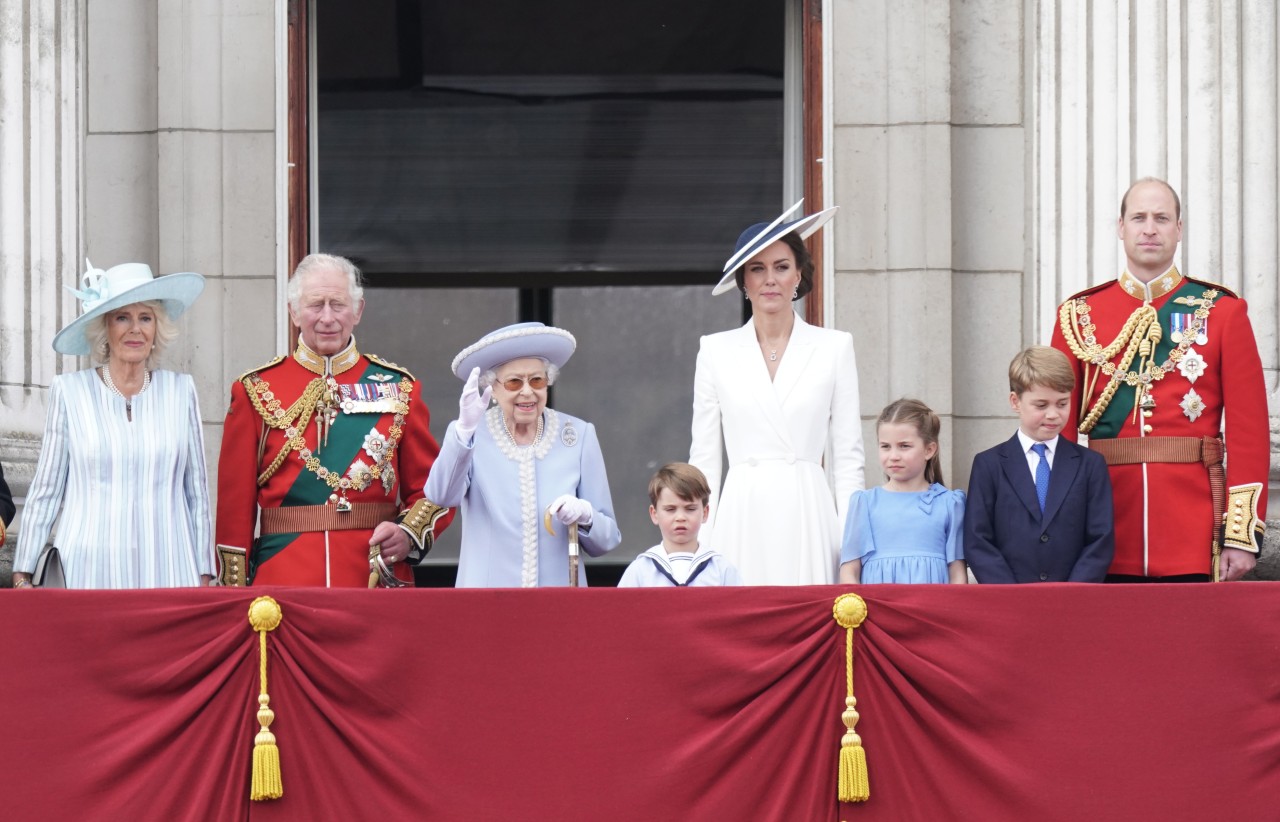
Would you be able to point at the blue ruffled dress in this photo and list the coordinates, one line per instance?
(904, 536)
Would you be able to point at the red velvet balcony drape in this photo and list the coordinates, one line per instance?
(1054, 702)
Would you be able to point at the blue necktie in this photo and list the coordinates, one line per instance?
(1042, 473)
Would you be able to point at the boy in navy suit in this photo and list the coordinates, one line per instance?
(1039, 506)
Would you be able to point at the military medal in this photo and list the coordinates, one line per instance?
(375, 445)
(369, 398)
(1192, 405)
(1178, 324)
(1192, 365)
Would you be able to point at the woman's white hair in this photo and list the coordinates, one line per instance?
(490, 377)
(100, 340)
(325, 262)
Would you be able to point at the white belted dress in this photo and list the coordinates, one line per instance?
(777, 518)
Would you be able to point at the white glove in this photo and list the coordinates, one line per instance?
(569, 509)
(471, 407)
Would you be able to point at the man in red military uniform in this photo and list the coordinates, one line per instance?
(331, 447)
(1167, 377)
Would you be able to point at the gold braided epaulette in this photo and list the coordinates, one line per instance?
(1211, 284)
(376, 360)
(1091, 289)
(263, 367)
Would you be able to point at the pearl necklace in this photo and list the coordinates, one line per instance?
(111, 386)
(537, 434)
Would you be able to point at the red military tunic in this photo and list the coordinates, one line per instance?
(374, 448)
(1203, 371)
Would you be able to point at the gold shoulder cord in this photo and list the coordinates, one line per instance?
(294, 420)
(267, 405)
(1140, 335)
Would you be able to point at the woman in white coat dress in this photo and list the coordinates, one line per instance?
(779, 391)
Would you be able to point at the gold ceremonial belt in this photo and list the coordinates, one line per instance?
(1133, 450)
(302, 518)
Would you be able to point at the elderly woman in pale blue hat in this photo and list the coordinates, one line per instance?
(123, 451)
(518, 467)
(779, 393)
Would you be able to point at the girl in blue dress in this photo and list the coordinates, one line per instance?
(910, 529)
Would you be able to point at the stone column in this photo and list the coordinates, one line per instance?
(892, 154)
(180, 171)
(215, 170)
(39, 219)
(172, 106)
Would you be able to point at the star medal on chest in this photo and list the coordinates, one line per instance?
(375, 445)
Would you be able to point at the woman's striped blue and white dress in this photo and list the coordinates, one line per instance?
(134, 494)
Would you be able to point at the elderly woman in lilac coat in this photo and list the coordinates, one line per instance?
(511, 465)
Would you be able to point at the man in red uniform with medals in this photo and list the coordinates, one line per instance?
(332, 447)
(1169, 388)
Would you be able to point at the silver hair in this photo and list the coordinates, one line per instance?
(490, 377)
(325, 262)
(99, 339)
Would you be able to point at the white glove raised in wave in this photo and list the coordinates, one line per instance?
(471, 407)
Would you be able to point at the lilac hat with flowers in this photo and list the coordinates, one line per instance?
(514, 342)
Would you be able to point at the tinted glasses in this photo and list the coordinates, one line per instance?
(536, 381)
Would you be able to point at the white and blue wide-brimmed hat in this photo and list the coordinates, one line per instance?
(514, 342)
(122, 285)
(761, 235)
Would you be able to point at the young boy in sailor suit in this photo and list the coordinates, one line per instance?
(678, 498)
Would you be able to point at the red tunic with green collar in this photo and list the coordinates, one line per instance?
(296, 437)
(1201, 376)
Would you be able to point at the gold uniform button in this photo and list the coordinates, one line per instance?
(1146, 429)
(1148, 413)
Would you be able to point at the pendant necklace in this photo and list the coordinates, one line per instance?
(128, 401)
(773, 350)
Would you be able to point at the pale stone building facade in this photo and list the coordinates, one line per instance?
(978, 149)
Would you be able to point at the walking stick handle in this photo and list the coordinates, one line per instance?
(573, 555)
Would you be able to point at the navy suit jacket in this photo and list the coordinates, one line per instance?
(1007, 539)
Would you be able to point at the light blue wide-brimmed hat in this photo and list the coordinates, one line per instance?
(122, 285)
(761, 235)
(514, 342)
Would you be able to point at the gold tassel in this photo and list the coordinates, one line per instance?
(264, 616)
(849, 611)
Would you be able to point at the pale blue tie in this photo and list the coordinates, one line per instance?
(1042, 473)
